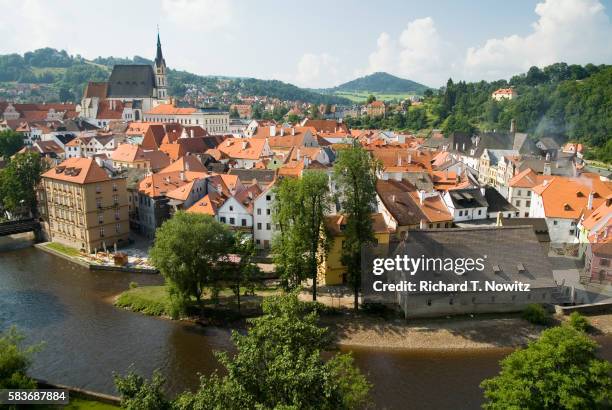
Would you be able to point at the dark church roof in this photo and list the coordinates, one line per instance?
(131, 81)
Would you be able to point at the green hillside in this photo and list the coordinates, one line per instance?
(381, 83)
(62, 77)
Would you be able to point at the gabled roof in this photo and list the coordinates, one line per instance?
(527, 179)
(186, 163)
(209, 204)
(336, 224)
(242, 148)
(565, 197)
(78, 171)
(497, 203)
(467, 198)
(96, 89)
(131, 81)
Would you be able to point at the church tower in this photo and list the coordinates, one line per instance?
(161, 78)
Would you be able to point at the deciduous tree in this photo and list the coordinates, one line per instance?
(560, 370)
(354, 173)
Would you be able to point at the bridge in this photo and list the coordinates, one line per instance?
(20, 226)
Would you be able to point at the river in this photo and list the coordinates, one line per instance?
(86, 339)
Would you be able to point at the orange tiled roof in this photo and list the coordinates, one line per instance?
(209, 204)
(528, 178)
(243, 148)
(170, 109)
(78, 171)
(565, 197)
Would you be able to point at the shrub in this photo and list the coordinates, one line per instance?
(578, 322)
(536, 314)
(133, 285)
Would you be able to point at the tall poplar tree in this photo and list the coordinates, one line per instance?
(354, 174)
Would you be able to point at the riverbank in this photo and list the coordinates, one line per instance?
(91, 262)
(369, 330)
(487, 332)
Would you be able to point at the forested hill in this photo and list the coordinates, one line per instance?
(567, 99)
(381, 83)
(67, 75)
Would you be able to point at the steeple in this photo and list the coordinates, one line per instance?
(161, 82)
(159, 58)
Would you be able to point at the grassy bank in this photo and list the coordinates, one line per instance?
(149, 300)
(155, 301)
(66, 250)
(82, 404)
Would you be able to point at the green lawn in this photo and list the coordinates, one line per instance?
(362, 96)
(155, 300)
(150, 300)
(66, 250)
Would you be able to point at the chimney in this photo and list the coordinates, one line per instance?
(298, 155)
(250, 193)
(245, 144)
(182, 175)
(421, 196)
(456, 146)
(393, 198)
(590, 202)
(306, 160)
(547, 170)
(219, 188)
(499, 219)
(423, 224)
(513, 125)
(482, 190)
(410, 158)
(191, 133)
(463, 147)
(273, 130)
(282, 132)
(399, 159)
(292, 130)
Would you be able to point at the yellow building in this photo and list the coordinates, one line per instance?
(332, 271)
(83, 207)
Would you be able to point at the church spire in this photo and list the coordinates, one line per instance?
(159, 58)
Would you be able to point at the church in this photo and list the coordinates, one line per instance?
(131, 90)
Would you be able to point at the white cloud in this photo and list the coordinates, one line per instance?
(419, 54)
(199, 15)
(572, 31)
(317, 70)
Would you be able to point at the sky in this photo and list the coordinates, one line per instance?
(322, 43)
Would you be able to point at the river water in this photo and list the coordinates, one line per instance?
(86, 339)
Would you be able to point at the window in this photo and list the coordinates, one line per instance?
(517, 202)
(527, 203)
(528, 193)
(243, 222)
(223, 219)
(117, 214)
(99, 202)
(114, 187)
(231, 208)
(267, 227)
(268, 211)
(98, 189)
(480, 212)
(555, 222)
(102, 232)
(604, 262)
(259, 225)
(115, 199)
(258, 211)
(118, 228)
(268, 197)
(232, 221)
(100, 218)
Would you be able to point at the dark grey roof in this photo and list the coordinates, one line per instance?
(246, 176)
(468, 198)
(65, 138)
(464, 143)
(77, 125)
(538, 225)
(497, 203)
(514, 250)
(421, 180)
(131, 81)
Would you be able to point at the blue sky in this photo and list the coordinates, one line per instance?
(322, 43)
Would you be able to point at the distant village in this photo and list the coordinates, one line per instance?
(129, 156)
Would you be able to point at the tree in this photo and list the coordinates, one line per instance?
(356, 184)
(234, 113)
(15, 361)
(243, 272)
(315, 200)
(314, 112)
(560, 370)
(139, 394)
(299, 210)
(371, 99)
(18, 182)
(278, 364)
(187, 251)
(10, 143)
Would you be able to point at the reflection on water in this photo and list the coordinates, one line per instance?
(87, 339)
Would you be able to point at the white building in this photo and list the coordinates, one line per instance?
(263, 228)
